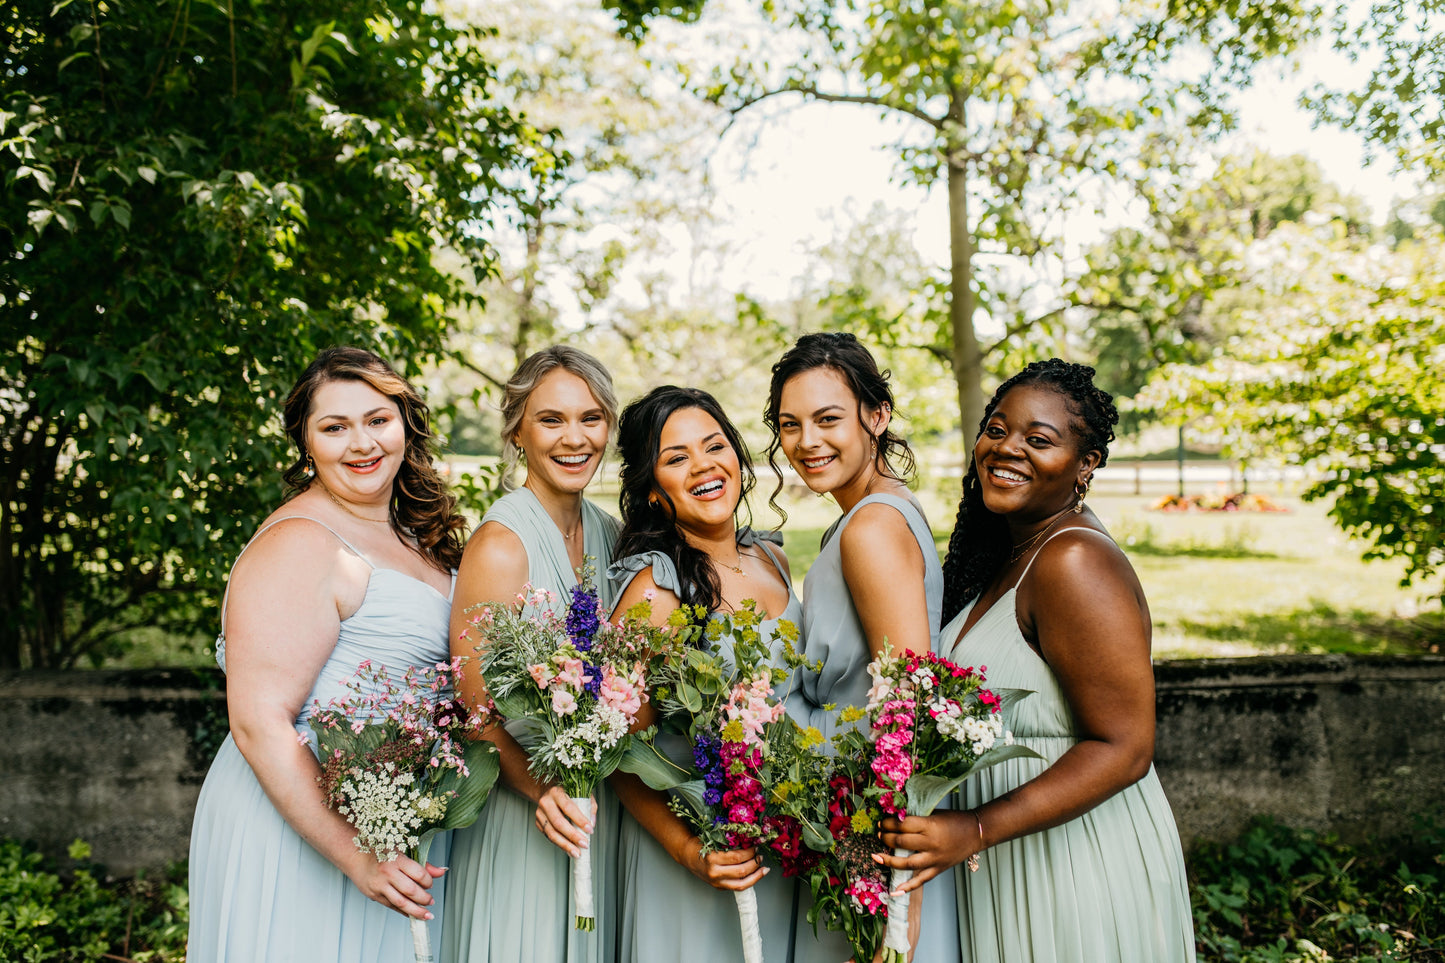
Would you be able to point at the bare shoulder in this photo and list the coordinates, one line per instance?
(1083, 557)
(290, 547)
(776, 553)
(644, 587)
(877, 537)
(497, 554)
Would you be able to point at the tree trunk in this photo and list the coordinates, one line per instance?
(967, 360)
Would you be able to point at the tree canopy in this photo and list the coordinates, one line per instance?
(199, 195)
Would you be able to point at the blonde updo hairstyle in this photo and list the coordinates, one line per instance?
(524, 381)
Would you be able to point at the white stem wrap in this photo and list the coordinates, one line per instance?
(748, 917)
(582, 869)
(420, 934)
(896, 937)
(421, 941)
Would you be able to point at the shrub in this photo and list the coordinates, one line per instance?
(1281, 895)
(82, 916)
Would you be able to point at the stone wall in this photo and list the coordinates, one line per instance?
(1353, 745)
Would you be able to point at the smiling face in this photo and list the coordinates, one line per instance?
(697, 469)
(1028, 455)
(563, 434)
(357, 439)
(820, 434)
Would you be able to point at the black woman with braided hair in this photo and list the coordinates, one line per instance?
(1078, 856)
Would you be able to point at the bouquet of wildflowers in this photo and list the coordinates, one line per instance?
(932, 724)
(576, 683)
(398, 763)
(723, 706)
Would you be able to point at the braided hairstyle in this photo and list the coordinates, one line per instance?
(846, 355)
(980, 543)
(650, 525)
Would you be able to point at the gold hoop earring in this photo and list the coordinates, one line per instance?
(873, 449)
(310, 466)
(1080, 489)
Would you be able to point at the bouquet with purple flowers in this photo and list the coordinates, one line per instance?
(575, 683)
(724, 706)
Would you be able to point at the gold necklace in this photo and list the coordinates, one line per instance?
(738, 568)
(1019, 552)
(354, 514)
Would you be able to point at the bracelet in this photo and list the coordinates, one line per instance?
(973, 860)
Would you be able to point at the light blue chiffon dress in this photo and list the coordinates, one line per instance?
(1105, 887)
(259, 891)
(832, 632)
(510, 893)
(667, 913)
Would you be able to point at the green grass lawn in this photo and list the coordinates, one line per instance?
(1226, 583)
(1218, 583)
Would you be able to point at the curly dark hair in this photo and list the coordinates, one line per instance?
(846, 355)
(649, 526)
(980, 543)
(421, 502)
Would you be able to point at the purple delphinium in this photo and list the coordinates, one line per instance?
(582, 617)
(707, 756)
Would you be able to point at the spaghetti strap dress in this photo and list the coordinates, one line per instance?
(1105, 887)
(667, 913)
(832, 632)
(258, 891)
(510, 894)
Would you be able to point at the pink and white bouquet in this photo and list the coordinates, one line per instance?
(722, 705)
(398, 763)
(571, 684)
(932, 724)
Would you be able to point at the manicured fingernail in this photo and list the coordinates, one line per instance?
(878, 858)
(428, 916)
(767, 870)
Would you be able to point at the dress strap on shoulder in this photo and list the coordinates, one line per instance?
(755, 539)
(1072, 528)
(261, 531)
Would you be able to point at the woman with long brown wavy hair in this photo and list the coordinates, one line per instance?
(356, 564)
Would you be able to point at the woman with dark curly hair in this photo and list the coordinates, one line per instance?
(685, 476)
(357, 564)
(876, 579)
(1076, 852)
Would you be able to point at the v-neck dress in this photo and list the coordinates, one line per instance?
(1105, 887)
(258, 890)
(833, 632)
(667, 913)
(510, 895)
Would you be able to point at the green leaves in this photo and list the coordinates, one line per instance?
(185, 230)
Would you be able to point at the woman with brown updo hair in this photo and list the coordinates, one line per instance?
(357, 564)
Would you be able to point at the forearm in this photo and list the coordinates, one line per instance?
(649, 807)
(516, 772)
(1086, 775)
(288, 773)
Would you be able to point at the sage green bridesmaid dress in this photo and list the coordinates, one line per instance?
(509, 895)
(832, 632)
(1105, 887)
(667, 913)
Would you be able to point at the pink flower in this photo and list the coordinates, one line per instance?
(541, 675)
(571, 674)
(563, 702)
(619, 693)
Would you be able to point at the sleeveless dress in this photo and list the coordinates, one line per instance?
(258, 890)
(1105, 887)
(833, 632)
(667, 913)
(510, 898)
